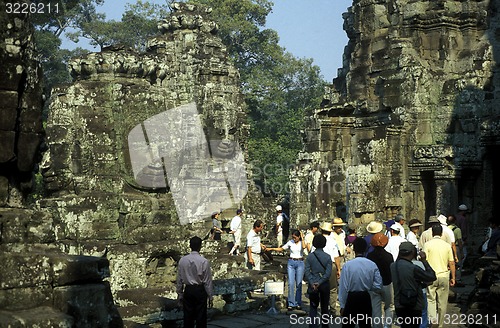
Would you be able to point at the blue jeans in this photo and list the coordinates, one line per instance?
(295, 274)
(425, 318)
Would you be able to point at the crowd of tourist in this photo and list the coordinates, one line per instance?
(378, 277)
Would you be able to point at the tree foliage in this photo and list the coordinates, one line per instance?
(49, 26)
(138, 24)
(278, 87)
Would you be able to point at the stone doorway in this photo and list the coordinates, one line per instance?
(429, 185)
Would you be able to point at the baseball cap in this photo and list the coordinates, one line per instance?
(396, 227)
(406, 247)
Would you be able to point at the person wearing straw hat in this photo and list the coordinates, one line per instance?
(339, 236)
(414, 232)
(427, 234)
(332, 249)
(373, 227)
(383, 260)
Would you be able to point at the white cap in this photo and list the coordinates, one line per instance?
(396, 227)
(278, 208)
(463, 207)
(442, 219)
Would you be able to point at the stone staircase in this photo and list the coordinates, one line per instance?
(52, 289)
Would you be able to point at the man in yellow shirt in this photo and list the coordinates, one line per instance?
(441, 260)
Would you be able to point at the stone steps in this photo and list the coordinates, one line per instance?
(57, 289)
(44, 316)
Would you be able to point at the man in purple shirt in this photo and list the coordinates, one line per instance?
(194, 285)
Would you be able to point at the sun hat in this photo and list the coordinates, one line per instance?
(338, 222)
(433, 219)
(374, 227)
(326, 226)
(415, 223)
(379, 239)
(442, 219)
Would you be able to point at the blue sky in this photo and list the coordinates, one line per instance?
(312, 29)
(307, 28)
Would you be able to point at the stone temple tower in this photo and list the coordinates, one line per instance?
(411, 123)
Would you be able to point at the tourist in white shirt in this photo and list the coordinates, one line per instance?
(394, 242)
(443, 220)
(235, 227)
(414, 232)
(295, 268)
(399, 221)
(254, 246)
(308, 239)
(279, 225)
(332, 249)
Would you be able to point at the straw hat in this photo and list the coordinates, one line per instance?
(374, 227)
(433, 219)
(326, 226)
(415, 223)
(338, 222)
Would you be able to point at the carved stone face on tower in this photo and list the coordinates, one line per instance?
(167, 123)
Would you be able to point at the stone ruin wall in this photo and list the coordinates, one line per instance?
(21, 103)
(87, 170)
(97, 230)
(411, 123)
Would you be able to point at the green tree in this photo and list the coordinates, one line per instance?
(138, 24)
(278, 88)
(50, 25)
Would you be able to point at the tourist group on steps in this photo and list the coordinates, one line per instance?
(388, 273)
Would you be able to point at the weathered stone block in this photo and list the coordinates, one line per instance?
(8, 108)
(24, 270)
(71, 269)
(23, 226)
(4, 191)
(7, 146)
(10, 74)
(38, 317)
(25, 298)
(91, 305)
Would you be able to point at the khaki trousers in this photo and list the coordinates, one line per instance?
(437, 299)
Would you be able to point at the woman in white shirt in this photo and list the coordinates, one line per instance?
(414, 233)
(295, 268)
